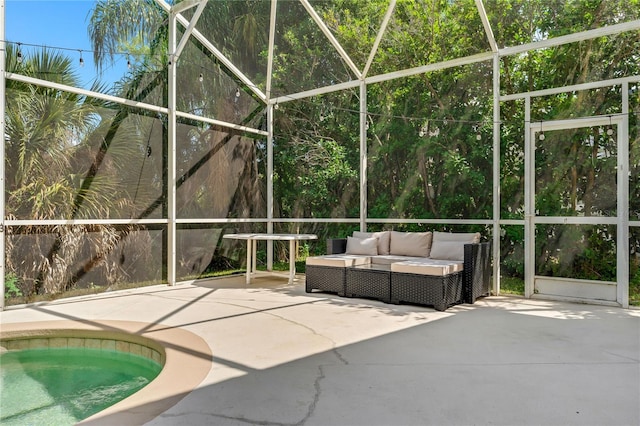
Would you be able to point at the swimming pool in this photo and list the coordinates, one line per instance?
(185, 358)
(65, 385)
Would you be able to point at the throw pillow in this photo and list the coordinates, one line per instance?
(366, 246)
(410, 243)
(383, 237)
(448, 250)
(450, 245)
(463, 237)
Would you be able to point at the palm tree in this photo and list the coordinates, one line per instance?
(50, 142)
(209, 158)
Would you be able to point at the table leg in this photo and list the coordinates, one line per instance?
(249, 251)
(255, 251)
(292, 260)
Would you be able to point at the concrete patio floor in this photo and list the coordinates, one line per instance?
(281, 356)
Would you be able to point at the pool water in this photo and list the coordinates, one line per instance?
(63, 386)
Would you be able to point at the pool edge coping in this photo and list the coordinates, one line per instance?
(188, 360)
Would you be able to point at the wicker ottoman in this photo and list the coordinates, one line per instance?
(328, 273)
(371, 280)
(435, 283)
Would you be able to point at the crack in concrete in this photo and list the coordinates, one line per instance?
(234, 418)
(316, 397)
(622, 356)
(334, 345)
(338, 355)
(310, 410)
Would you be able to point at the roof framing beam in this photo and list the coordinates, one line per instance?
(272, 38)
(487, 26)
(192, 25)
(327, 32)
(221, 123)
(84, 92)
(572, 38)
(481, 57)
(381, 31)
(184, 5)
(223, 59)
(315, 92)
(573, 88)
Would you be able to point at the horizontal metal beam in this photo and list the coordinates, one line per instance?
(577, 123)
(575, 220)
(58, 222)
(438, 221)
(265, 220)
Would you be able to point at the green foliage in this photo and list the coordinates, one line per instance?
(429, 146)
(11, 288)
(511, 285)
(634, 281)
(585, 252)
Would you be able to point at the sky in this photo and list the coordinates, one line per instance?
(59, 24)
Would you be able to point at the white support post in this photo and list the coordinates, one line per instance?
(270, 108)
(171, 160)
(363, 156)
(270, 114)
(622, 262)
(529, 202)
(3, 95)
(496, 174)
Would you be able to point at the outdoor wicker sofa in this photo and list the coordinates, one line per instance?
(436, 269)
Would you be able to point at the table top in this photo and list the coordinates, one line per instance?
(262, 236)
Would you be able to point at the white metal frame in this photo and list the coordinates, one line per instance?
(2, 154)
(622, 217)
(361, 82)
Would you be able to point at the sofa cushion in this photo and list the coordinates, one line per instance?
(366, 246)
(338, 260)
(410, 243)
(450, 245)
(427, 267)
(383, 239)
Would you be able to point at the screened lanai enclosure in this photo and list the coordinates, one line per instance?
(125, 160)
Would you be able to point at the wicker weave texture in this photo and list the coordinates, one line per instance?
(371, 283)
(336, 245)
(325, 278)
(439, 292)
(477, 271)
